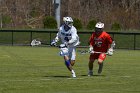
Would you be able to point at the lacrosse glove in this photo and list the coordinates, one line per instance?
(91, 49)
(110, 51)
(53, 43)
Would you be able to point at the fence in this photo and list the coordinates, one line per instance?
(24, 37)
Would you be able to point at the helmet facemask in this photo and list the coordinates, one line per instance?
(98, 31)
(99, 28)
(69, 24)
(66, 27)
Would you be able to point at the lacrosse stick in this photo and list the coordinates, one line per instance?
(35, 42)
(91, 52)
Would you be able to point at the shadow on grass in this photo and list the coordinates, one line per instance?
(95, 75)
(62, 76)
(58, 76)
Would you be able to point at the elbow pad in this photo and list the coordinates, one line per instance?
(113, 44)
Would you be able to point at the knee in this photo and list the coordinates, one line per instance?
(100, 61)
(91, 61)
(72, 62)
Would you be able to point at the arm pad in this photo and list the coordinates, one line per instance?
(113, 44)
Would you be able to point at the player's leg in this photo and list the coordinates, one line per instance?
(90, 64)
(100, 62)
(72, 56)
(65, 53)
(67, 63)
(72, 62)
(69, 66)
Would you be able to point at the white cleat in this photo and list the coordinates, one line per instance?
(73, 75)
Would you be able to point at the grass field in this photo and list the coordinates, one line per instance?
(42, 70)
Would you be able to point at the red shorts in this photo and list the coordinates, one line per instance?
(94, 56)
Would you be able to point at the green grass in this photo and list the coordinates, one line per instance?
(42, 70)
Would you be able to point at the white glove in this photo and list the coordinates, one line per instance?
(53, 43)
(110, 51)
(91, 49)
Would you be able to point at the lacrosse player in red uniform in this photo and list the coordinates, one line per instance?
(101, 44)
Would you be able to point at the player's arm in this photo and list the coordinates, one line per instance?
(112, 44)
(57, 37)
(91, 43)
(53, 43)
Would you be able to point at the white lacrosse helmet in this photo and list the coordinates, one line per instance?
(99, 25)
(68, 21)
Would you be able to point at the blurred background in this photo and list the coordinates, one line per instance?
(21, 21)
(24, 14)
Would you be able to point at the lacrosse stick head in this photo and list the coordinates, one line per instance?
(35, 42)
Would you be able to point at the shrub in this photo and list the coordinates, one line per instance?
(91, 25)
(6, 19)
(77, 23)
(116, 26)
(50, 22)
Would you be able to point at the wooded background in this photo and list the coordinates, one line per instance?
(30, 13)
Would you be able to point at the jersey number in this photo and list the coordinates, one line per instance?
(98, 44)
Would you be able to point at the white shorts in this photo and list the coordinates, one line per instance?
(71, 52)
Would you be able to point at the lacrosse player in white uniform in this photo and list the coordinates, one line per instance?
(69, 38)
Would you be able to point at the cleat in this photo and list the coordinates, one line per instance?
(73, 75)
(90, 74)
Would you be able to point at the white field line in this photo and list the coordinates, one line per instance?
(29, 80)
(5, 56)
(25, 80)
(125, 76)
(36, 80)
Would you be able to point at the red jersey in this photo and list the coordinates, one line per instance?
(100, 43)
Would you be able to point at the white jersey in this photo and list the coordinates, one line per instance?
(71, 37)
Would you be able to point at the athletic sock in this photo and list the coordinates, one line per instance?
(72, 71)
(90, 71)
